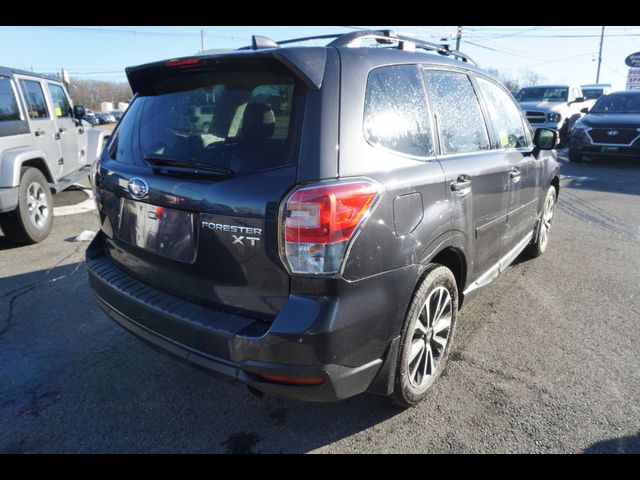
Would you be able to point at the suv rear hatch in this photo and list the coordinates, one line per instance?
(192, 179)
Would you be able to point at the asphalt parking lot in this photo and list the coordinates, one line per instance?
(545, 360)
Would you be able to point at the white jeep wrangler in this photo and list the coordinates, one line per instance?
(45, 147)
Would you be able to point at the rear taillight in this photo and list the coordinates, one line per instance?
(319, 221)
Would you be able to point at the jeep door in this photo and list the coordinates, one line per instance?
(69, 134)
(43, 128)
(477, 176)
(513, 141)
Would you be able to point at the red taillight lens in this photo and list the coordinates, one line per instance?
(327, 214)
(182, 62)
(294, 380)
(320, 220)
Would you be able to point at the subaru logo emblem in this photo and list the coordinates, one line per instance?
(138, 187)
(613, 133)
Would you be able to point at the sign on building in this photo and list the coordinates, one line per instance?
(633, 79)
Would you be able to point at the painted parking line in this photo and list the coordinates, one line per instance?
(88, 205)
(576, 178)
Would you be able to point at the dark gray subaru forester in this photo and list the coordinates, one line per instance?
(309, 220)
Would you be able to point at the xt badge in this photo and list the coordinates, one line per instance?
(240, 239)
(250, 237)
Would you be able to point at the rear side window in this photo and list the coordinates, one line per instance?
(460, 120)
(239, 120)
(505, 116)
(61, 105)
(396, 115)
(34, 96)
(8, 104)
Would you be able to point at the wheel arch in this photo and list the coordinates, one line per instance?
(12, 161)
(39, 164)
(454, 259)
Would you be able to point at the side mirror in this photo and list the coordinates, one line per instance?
(79, 112)
(579, 100)
(584, 110)
(545, 139)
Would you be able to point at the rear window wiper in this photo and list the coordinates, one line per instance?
(160, 161)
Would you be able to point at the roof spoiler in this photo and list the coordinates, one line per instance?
(307, 64)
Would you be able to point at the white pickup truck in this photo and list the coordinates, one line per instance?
(45, 147)
(553, 106)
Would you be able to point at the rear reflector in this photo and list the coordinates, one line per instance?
(320, 220)
(181, 62)
(294, 380)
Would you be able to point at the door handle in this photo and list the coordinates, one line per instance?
(515, 173)
(462, 185)
(39, 132)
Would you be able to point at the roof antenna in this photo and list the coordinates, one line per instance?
(258, 42)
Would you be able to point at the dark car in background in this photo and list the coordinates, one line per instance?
(295, 218)
(610, 129)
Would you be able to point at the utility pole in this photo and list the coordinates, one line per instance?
(600, 55)
(458, 37)
(202, 39)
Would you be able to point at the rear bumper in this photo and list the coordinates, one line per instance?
(312, 337)
(8, 199)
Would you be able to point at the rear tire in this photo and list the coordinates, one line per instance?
(32, 219)
(541, 241)
(427, 335)
(574, 156)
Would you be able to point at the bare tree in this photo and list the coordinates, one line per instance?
(513, 83)
(91, 92)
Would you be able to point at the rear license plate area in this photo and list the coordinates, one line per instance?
(167, 232)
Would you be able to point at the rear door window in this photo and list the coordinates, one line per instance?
(396, 114)
(242, 121)
(34, 96)
(460, 120)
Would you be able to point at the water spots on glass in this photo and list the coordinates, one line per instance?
(396, 112)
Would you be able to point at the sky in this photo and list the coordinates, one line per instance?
(559, 53)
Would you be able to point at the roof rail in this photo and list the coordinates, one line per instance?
(389, 36)
(380, 36)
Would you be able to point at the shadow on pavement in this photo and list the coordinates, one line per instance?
(71, 380)
(605, 175)
(630, 444)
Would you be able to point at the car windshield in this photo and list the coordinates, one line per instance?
(543, 94)
(619, 103)
(592, 93)
(239, 121)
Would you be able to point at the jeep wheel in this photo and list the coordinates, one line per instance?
(426, 336)
(539, 245)
(32, 219)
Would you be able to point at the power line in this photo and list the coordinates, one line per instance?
(134, 32)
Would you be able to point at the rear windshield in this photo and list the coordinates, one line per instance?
(592, 93)
(238, 120)
(543, 94)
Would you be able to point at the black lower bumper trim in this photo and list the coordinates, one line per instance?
(219, 342)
